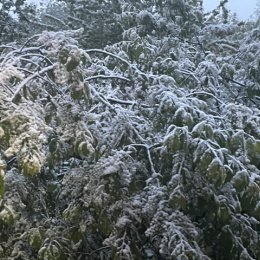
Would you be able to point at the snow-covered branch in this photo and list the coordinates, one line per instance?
(109, 54)
(56, 20)
(26, 80)
(107, 77)
(127, 102)
(203, 93)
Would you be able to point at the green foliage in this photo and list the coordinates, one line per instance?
(147, 150)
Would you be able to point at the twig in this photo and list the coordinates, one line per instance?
(109, 54)
(76, 19)
(126, 102)
(107, 77)
(7, 87)
(26, 80)
(236, 82)
(200, 44)
(38, 55)
(148, 155)
(39, 76)
(48, 26)
(29, 61)
(233, 45)
(102, 99)
(181, 165)
(190, 73)
(31, 38)
(56, 19)
(131, 66)
(204, 93)
(6, 47)
(89, 254)
(19, 51)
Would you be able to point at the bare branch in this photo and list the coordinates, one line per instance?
(200, 44)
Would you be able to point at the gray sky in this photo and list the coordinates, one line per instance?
(243, 8)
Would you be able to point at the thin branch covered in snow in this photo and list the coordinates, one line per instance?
(107, 77)
(56, 20)
(109, 54)
(26, 80)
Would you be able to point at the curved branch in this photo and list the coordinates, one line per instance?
(204, 93)
(101, 98)
(38, 55)
(28, 40)
(109, 54)
(131, 66)
(26, 80)
(19, 51)
(107, 77)
(39, 76)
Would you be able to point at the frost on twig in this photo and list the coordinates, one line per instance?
(26, 80)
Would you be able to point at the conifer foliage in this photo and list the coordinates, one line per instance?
(130, 130)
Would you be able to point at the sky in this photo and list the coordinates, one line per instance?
(243, 8)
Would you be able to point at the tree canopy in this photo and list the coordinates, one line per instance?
(129, 130)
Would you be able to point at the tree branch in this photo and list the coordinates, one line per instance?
(28, 40)
(147, 148)
(51, 17)
(38, 55)
(131, 66)
(26, 80)
(236, 82)
(109, 54)
(126, 102)
(6, 47)
(205, 93)
(107, 77)
(19, 51)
